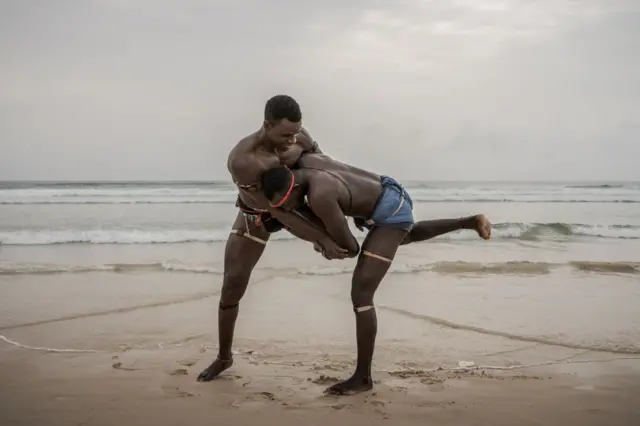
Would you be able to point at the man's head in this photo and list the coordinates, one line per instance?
(282, 120)
(282, 187)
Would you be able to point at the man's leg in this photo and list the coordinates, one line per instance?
(427, 229)
(241, 255)
(378, 250)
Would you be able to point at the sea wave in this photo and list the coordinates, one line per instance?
(230, 199)
(227, 193)
(602, 186)
(501, 231)
(118, 236)
(119, 195)
(442, 268)
(542, 231)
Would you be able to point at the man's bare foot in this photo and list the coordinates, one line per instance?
(214, 370)
(353, 385)
(483, 226)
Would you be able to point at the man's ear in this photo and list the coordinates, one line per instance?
(266, 124)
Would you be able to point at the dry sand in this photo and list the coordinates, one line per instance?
(159, 388)
(152, 337)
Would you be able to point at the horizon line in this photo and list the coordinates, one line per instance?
(403, 180)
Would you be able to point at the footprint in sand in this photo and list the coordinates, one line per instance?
(228, 377)
(379, 407)
(341, 406)
(117, 365)
(435, 404)
(255, 400)
(188, 362)
(324, 380)
(329, 367)
(177, 392)
(178, 372)
(431, 380)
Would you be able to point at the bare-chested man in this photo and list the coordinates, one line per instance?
(280, 141)
(334, 190)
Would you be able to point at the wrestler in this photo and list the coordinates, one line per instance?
(280, 141)
(333, 190)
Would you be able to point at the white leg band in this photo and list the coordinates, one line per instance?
(376, 256)
(248, 235)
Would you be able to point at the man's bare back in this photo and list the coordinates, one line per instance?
(333, 189)
(355, 189)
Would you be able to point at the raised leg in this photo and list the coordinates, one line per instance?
(427, 229)
(241, 255)
(379, 249)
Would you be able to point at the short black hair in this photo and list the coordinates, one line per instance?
(280, 107)
(275, 180)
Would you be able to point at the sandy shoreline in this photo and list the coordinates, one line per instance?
(153, 333)
(159, 387)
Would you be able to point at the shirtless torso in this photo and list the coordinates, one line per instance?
(357, 190)
(251, 157)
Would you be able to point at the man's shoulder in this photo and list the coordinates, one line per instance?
(247, 168)
(322, 187)
(242, 156)
(306, 141)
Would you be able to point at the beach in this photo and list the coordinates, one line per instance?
(108, 304)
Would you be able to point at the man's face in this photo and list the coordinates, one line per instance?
(295, 200)
(283, 133)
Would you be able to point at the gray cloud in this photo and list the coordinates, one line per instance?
(459, 89)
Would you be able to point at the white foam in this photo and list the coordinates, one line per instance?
(172, 236)
(114, 194)
(117, 236)
(450, 267)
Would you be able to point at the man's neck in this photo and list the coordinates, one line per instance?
(263, 141)
(302, 178)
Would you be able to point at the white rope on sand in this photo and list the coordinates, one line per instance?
(515, 367)
(462, 367)
(36, 348)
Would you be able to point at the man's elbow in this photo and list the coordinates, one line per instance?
(353, 252)
(351, 245)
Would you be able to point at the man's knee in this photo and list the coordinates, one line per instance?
(362, 299)
(234, 285)
(362, 294)
(364, 284)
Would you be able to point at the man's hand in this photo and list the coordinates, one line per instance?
(359, 222)
(331, 250)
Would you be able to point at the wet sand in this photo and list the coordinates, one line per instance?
(148, 335)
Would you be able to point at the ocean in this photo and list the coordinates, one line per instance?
(592, 226)
(562, 266)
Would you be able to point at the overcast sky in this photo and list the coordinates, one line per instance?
(419, 89)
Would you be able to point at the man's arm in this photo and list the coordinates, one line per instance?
(299, 226)
(243, 172)
(303, 228)
(309, 145)
(324, 204)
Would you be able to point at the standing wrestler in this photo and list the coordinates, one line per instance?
(281, 140)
